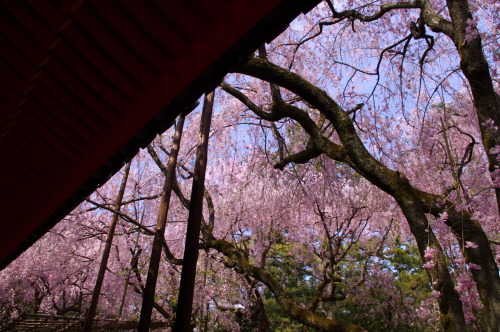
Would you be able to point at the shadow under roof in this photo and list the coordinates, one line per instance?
(85, 83)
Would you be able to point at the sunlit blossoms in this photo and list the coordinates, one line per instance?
(352, 183)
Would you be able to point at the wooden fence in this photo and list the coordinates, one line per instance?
(54, 323)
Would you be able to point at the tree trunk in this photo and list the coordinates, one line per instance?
(452, 315)
(188, 275)
(388, 180)
(487, 102)
(105, 255)
(154, 263)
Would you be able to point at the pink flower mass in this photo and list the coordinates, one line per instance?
(352, 180)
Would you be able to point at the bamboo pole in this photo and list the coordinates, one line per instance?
(154, 263)
(105, 255)
(186, 291)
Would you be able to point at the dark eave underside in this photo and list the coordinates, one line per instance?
(85, 84)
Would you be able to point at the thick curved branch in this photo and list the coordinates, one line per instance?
(377, 173)
(317, 144)
(301, 157)
(278, 110)
(302, 315)
(354, 147)
(434, 21)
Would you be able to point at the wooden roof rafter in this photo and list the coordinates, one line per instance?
(85, 83)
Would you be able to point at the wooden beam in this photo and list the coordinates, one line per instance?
(105, 255)
(186, 291)
(154, 263)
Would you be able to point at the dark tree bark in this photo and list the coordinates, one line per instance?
(105, 255)
(304, 316)
(154, 264)
(186, 291)
(241, 265)
(487, 102)
(452, 316)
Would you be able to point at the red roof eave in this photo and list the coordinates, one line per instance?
(85, 84)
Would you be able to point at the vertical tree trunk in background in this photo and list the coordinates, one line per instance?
(202, 324)
(154, 264)
(186, 292)
(122, 302)
(127, 280)
(263, 319)
(105, 255)
(476, 69)
(477, 72)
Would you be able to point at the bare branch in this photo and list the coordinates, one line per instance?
(156, 159)
(248, 103)
(171, 258)
(384, 9)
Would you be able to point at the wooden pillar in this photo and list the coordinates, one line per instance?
(125, 289)
(154, 263)
(105, 255)
(186, 292)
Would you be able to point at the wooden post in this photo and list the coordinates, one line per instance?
(125, 289)
(186, 291)
(105, 255)
(154, 263)
(122, 302)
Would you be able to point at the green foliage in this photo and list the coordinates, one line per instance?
(297, 281)
(387, 301)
